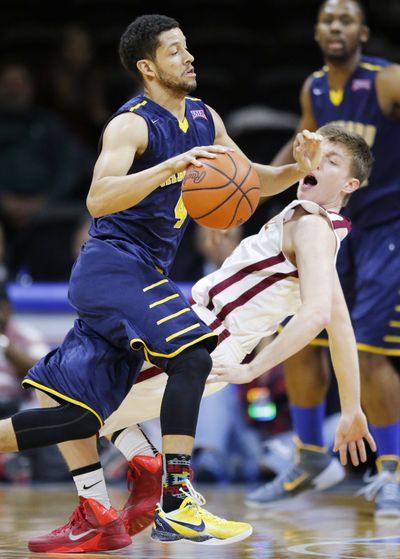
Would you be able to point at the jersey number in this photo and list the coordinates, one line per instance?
(180, 213)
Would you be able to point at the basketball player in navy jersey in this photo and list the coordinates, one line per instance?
(289, 267)
(362, 94)
(128, 309)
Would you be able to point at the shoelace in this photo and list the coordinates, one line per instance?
(194, 495)
(198, 501)
(375, 483)
(76, 517)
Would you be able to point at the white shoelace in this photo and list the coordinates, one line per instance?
(198, 501)
(375, 483)
(196, 497)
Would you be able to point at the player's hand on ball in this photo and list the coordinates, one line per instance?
(350, 434)
(235, 374)
(181, 161)
(307, 150)
(223, 192)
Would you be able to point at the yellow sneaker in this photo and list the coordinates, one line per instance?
(192, 523)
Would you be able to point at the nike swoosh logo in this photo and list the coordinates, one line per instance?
(154, 121)
(290, 485)
(90, 486)
(74, 537)
(195, 527)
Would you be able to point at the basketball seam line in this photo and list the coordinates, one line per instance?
(232, 180)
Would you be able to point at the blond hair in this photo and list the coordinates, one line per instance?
(361, 157)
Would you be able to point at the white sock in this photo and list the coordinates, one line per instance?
(132, 441)
(92, 485)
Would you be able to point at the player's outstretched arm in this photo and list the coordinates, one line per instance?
(314, 249)
(352, 428)
(307, 155)
(306, 151)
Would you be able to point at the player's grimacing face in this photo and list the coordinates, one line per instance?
(340, 30)
(174, 63)
(326, 183)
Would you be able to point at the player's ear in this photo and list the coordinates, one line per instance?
(145, 67)
(365, 32)
(352, 185)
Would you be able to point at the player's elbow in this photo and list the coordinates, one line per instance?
(321, 317)
(94, 207)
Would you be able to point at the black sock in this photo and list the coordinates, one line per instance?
(176, 471)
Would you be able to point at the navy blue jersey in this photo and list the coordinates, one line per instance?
(155, 226)
(118, 286)
(122, 304)
(357, 108)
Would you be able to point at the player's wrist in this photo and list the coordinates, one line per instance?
(351, 411)
(301, 169)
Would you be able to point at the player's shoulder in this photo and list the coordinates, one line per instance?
(306, 219)
(319, 73)
(373, 63)
(312, 234)
(124, 125)
(310, 217)
(314, 77)
(382, 68)
(125, 129)
(137, 109)
(310, 82)
(390, 72)
(135, 105)
(300, 207)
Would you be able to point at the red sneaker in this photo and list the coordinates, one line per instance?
(144, 483)
(91, 527)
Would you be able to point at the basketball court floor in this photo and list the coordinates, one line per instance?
(329, 525)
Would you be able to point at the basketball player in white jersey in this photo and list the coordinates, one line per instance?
(286, 270)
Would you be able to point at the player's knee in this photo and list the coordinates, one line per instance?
(46, 426)
(194, 361)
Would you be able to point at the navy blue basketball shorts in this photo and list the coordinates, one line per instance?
(369, 270)
(128, 311)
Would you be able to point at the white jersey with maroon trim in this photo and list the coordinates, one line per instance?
(257, 287)
(253, 292)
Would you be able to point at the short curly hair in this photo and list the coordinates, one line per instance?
(141, 39)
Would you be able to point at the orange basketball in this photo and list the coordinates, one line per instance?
(223, 193)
